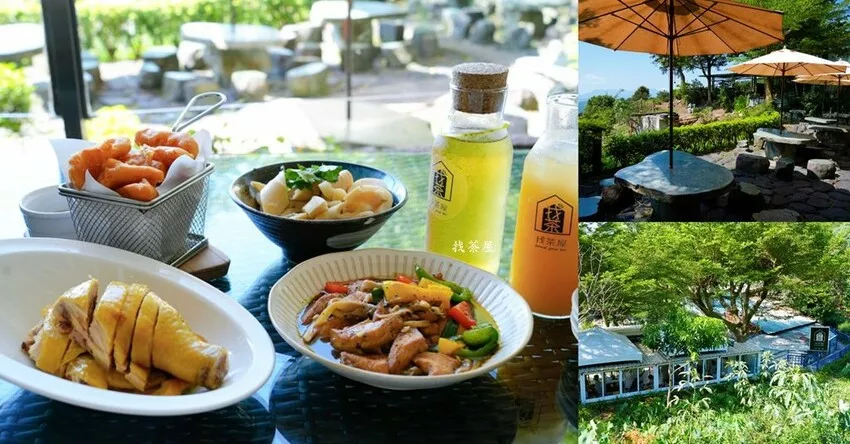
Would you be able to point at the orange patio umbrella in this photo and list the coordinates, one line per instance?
(678, 28)
(786, 63)
(837, 79)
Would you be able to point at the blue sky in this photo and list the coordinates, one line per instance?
(602, 68)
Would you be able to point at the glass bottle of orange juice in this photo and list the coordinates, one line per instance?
(471, 169)
(544, 267)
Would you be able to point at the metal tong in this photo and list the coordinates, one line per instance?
(180, 125)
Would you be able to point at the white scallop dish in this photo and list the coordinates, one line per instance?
(34, 272)
(290, 296)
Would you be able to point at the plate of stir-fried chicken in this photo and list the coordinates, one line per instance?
(400, 319)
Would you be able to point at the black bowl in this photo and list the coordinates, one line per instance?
(303, 239)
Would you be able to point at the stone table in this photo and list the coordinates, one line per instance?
(830, 134)
(676, 193)
(20, 40)
(779, 143)
(233, 47)
(323, 11)
(820, 120)
(364, 16)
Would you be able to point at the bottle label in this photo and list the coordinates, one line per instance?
(553, 223)
(442, 181)
(448, 188)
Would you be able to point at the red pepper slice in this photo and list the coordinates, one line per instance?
(462, 314)
(404, 279)
(336, 287)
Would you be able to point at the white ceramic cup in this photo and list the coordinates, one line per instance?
(46, 214)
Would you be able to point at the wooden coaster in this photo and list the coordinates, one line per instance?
(210, 263)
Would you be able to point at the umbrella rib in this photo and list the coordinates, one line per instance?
(738, 21)
(657, 31)
(637, 26)
(614, 13)
(696, 17)
(699, 18)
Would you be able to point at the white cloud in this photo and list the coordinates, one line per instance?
(589, 79)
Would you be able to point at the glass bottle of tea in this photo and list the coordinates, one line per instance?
(471, 169)
(544, 267)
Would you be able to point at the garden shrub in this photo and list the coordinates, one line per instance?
(694, 139)
(15, 95)
(844, 327)
(122, 29)
(112, 121)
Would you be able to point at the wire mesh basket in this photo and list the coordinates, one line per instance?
(169, 228)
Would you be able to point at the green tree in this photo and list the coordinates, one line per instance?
(728, 271)
(642, 93)
(608, 110)
(681, 65)
(663, 95)
(603, 290)
(678, 332)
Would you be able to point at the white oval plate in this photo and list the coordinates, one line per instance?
(35, 271)
(294, 291)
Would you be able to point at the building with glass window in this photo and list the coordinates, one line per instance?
(613, 365)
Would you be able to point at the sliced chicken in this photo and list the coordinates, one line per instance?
(182, 353)
(405, 346)
(323, 332)
(126, 324)
(143, 378)
(436, 363)
(170, 387)
(140, 351)
(30, 339)
(50, 343)
(104, 324)
(433, 329)
(318, 306)
(73, 351)
(76, 306)
(372, 363)
(351, 310)
(380, 310)
(367, 285)
(369, 335)
(85, 370)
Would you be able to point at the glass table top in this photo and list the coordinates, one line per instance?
(532, 399)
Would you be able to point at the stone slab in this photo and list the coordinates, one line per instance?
(784, 137)
(691, 179)
(225, 36)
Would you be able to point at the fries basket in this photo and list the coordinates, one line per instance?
(169, 228)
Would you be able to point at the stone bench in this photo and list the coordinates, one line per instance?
(310, 80)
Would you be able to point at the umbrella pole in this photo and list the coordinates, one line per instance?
(671, 63)
(781, 99)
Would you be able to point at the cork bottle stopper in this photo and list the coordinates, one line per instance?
(479, 88)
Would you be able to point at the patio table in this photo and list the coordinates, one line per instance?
(782, 143)
(20, 40)
(232, 46)
(833, 135)
(821, 120)
(531, 399)
(676, 194)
